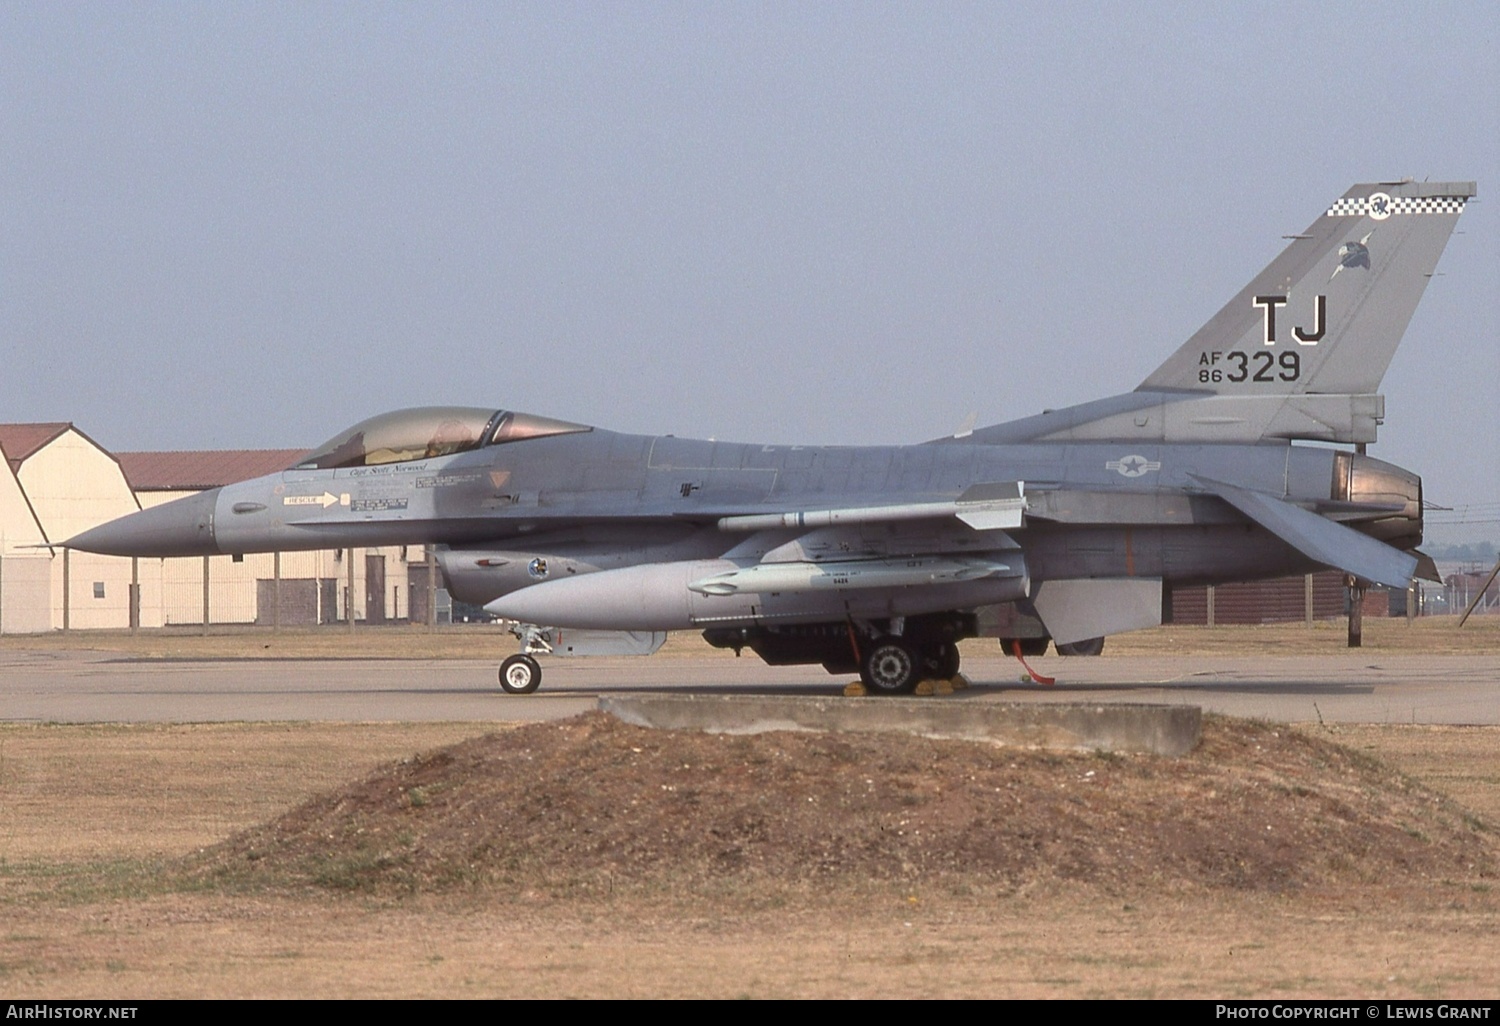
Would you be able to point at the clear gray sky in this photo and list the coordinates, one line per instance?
(246, 225)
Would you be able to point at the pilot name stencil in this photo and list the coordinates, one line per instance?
(390, 468)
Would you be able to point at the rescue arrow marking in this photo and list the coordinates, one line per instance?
(325, 500)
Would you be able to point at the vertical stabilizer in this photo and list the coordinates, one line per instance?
(1327, 314)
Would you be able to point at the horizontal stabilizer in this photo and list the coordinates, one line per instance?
(1318, 539)
(1427, 569)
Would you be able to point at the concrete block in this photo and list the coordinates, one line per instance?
(1158, 729)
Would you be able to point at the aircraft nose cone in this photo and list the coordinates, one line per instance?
(184, 527)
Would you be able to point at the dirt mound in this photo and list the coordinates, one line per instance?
(592, 802)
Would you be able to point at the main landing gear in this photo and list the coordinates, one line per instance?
(891, 656)
(1086, 647)
(895, 666)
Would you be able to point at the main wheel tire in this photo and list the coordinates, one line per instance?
(943, 660)
(890, 667)
(520, 675)
(1087, 647)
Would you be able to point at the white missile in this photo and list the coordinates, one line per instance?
(660, 596)
(765, 578)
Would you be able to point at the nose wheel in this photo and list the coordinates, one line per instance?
(520, 675)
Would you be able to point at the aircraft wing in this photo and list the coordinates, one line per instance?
(1318, 538)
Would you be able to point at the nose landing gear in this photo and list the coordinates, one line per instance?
(520, 675)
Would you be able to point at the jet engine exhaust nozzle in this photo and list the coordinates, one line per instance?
(1364, 479)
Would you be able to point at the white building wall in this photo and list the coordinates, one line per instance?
(98, 591)
(233, 588)
(73, 485)
(18, 526)
(25, 593)
(25, 571)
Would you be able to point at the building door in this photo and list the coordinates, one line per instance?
(374, 589)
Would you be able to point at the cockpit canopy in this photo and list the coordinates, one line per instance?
(427, 431)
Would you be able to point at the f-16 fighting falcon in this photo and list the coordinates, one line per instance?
(1070, 525)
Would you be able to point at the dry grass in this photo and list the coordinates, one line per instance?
(1432, 635)
(1460, 762)
(92, 820)
(913, 944)
(76, 793)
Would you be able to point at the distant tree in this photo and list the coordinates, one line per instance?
(1469, 552)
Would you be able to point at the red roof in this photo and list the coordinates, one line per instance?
(22, 440)
(199, 469)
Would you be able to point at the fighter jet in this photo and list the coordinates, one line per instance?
(1240, 457)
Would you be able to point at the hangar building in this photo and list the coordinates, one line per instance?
(56, 482)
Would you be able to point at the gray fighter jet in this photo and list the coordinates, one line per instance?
(1070, 525)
